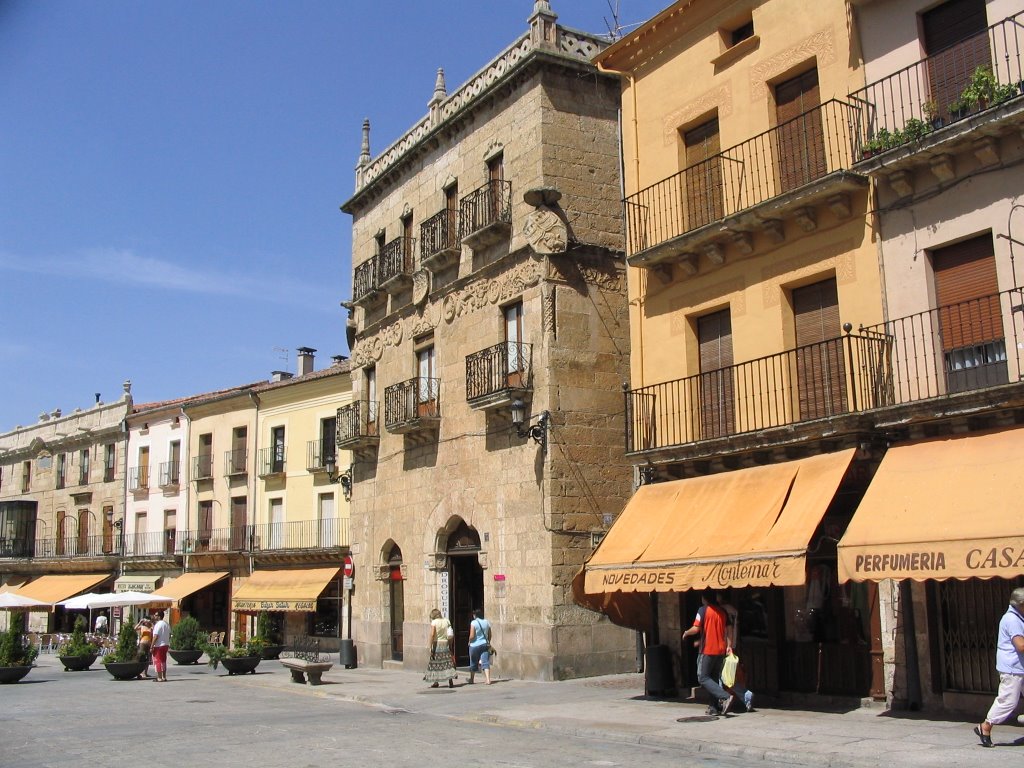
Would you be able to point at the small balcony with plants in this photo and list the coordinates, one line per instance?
(498, 375)
(170, 474)
(440, 246)
(202, 466)
(358, 426)
(366, 290)
(721, 203)
(485, 214)
(395, 265)
(272, 461)
(413, 406)
(236, 462)
(959, 100)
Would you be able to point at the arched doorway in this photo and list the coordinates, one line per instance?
(396, 602)
(466, 580)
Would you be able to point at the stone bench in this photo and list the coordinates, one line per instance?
(304, 668)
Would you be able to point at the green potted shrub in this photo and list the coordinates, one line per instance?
(958, 108)
(77, 654)
(980, 91)
(266, 634)
(186, 639)
(123, 663)
(244, 657)
(930, 109)
(915, 129)
(16, 655)
(1003, 93)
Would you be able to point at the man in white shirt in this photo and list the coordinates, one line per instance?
(101, 624)
(1009, 665)
(161, 642)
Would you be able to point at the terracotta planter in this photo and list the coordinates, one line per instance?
(185, 656)
(126, 670)
(77, 663)
(271, 652)
(13, 674)
(241, 665)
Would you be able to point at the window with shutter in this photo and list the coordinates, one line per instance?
(800, 150)
(956, 43)
(970, 321)
(717, 409)
(703, 176)
(820, 370)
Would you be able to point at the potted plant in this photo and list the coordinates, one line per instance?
(931, 114)
(123, 663)
(244, 657)
(186, 638)
(1003, 93)
(266, 634)
(77, 653)
(915, 129)
(870, 148)
(958, 108)
(16, 655)
(980, 91)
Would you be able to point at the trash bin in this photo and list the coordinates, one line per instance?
(659, 680)
(347, 656)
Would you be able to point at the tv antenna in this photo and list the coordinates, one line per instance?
(615, 26)
(282, 353)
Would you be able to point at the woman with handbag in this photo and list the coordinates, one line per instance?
(480, 646)
(441, 665)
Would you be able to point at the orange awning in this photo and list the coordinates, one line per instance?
(190, 583)
(56, 587)
(749, 527)
(944, 508)
(282, 590)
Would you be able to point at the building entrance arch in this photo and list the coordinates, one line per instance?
(465, 582)
(396, 601)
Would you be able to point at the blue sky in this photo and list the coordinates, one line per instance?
(170, 176)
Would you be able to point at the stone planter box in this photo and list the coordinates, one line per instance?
(241, 665)
(13, 674)
(185, 657)
(126, 670)
(77, 663)
(271, 652)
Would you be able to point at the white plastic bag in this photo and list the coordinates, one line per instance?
(732, 661)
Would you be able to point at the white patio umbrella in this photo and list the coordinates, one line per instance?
(81, 602)
(124, 599)
(14, 601)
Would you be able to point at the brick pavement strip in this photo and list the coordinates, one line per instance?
(611, 708)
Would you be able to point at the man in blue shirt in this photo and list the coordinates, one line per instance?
(1009, 665)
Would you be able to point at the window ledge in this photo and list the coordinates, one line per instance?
(743, 47)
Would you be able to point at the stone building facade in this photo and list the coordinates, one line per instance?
(488, 278)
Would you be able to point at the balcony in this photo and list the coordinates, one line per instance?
(498, 375)
(366, 284)
(330, 533)
(138, 479)
(961, 98)
(318, 454)
(395, 265)
(752, 187)
(202, 466)
(440, 246)
(236, 462)
(882, 370)
(358, 427)
(170, 474)
(412, 406)
(237, 538)
(63, 547)
(272, 461)
(485, 214)
(154, 544)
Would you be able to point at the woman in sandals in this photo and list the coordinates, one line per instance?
(479, 646)
(440, 667)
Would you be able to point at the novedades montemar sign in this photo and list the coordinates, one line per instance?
(765, 571)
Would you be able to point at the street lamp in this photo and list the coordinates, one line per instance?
(538, 431)
(345, 478)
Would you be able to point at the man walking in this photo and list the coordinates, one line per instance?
(1009, 665)
(161, 642)
(714, 645)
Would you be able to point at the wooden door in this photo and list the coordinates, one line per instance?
(800, 150)
(703, 175)
(238, 522)
(717, 405)
(820, 368)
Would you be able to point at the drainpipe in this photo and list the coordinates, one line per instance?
(188, 485)
(255, 453)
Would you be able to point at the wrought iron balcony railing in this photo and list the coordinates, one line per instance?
(503, 368)
(319, 453)
(957, 348)
(71, 546)
(789, 156)
(439, 237)
(156, 543)
(202, 466)
(303, 534)
(395, 260)
(236, 462)
(365, 280)
(170, 473)
(412, 404)
(138, 478)
(978, 73)
(486, 207)
(272, 460)
(358, 425)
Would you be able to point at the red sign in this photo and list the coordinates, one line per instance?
(348, 566)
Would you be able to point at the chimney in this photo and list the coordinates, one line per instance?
(338, 359)
(305, 360)
(280, 375)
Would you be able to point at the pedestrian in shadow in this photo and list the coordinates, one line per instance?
(714, 644)
(441, 666)
(1009, 665)
(479, 646)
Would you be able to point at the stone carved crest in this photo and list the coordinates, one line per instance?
(545, 231)
(420, 286)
